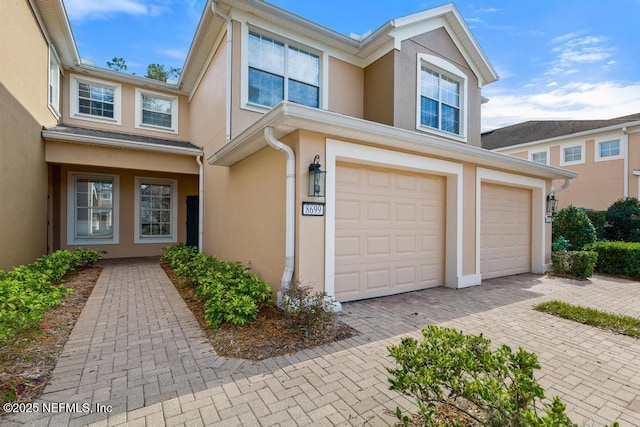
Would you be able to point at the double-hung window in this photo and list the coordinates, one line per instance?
(156, 111)
(572, 154)
(279, 71)
(95, 100)
(539, 157)
(156, 210)
(92, 213)
(442, 89)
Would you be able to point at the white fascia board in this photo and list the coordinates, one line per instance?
(290, 117)
(566, 136)
(119, 143)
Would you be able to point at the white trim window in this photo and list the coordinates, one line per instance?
(95, 100)
(156, 207)
(441, 96)
(541, 157)
(92, 209)
(54, 82)
(156, 111)
(278, 70)
(608, 150)
(572, 154)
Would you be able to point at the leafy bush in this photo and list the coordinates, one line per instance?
(623, 220)
(560, 244)
(462, 372)
(28, 291)
(231, 293)
(574, 226)
(599, 221)
(307, 311)
(574, 263)
(618, 258)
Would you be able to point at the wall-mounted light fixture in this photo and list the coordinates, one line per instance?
(552, 203)
(316, 178)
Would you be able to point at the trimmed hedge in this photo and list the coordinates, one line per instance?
(231, 293)
(574, 263)
(617, 258)
(623, 220)
(575, 226)
(28, 291)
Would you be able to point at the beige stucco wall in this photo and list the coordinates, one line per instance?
(90, 155)
(346, 88)
(24, 56)
(187, 186)
(128, 119)
(634, 162)
(379, 90)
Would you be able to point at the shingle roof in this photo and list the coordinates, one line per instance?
(538, 130)
(120, 136)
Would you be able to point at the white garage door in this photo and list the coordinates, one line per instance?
(505, 240)
(390, 231)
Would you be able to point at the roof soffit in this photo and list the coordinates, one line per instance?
(53, 17)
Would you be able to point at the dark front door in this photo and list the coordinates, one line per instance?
(192, 220)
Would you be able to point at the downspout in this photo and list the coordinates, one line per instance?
(216, 11)
(200, 203)
(562, 187)
(625, 148)
(290, 200)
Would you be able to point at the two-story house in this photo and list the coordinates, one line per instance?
(604, 153)
(408, 200)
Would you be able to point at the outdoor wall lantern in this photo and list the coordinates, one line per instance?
(316, 178)
(552, 203)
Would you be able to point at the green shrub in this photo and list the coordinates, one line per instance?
(560, 244)
(573, 225)
(491, 387)
(618, 258)
(231, 293)
(574, 263)
(306, 311)
(28, 291)
(599, 221)
(623, 220)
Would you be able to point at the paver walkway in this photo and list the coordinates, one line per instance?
(137, 354)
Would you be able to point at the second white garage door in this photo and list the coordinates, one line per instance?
(390, 231)
(505, 239)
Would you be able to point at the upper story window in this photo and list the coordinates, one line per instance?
(54, 82)
(540, 157)
(156, 111)
(280, 71)
(95, 100)
(572, 154)
(441, 96)
(608, 150)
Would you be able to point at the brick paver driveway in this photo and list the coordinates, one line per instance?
(137, 351)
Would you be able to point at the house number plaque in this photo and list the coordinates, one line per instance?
(312, 208)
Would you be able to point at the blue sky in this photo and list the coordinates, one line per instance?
(557, 59)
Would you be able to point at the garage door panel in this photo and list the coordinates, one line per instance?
(400, 230)
(505, 231)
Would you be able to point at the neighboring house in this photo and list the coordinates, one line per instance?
(604, 153)
(221, 158)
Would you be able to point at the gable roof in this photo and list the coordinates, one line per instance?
(542, 130)
(362, 50)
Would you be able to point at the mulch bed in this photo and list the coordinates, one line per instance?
(27, 361)
(268, 336)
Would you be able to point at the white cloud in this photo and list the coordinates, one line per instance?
(174, 53)
(574, 50)
(576, 101)
(104, 9)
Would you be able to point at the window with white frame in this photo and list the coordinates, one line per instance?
(442, 89)
(572, 154)
(609, 149)
(281, 71)
(95, 100)
(156, 111)
(156, 207)
(539, 157)
(92, 209)
(54, 82)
